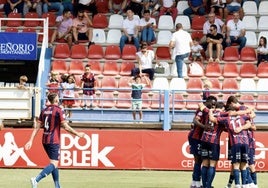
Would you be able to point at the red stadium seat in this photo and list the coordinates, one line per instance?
(61, 51)
(262, 102)
(248, 70)
(50, 33)
(190, 74)
(112, 52)
(213, 69)
(102, 6)
(216, 86)
(59, 66)
(162, 52)
(123, 84)
(95, 52)
(230, 70)
(194, 85)
(14, 23)
(248, 100)
(108, 83)
(76, 67)
(192, 101)
(107, 100)
(198, 22)
(31, 23)
(197, 34)
(126, 67)
(110, 68)
(231, 54)
(12, 30)
(177, 101)
(95, 67)
(248, 54)
(28, 30)
(262, 71)
(129, 52)
(78, 51)
(51, 19)
(230, 86)
(123, 100)
(157, 100)
(100, 21)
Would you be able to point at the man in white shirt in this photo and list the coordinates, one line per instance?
(236, 32)
(130, 30)
(147, 26)
(181, 41)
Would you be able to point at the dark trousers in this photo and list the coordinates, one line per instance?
(136, 71)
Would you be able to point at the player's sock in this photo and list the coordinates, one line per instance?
(55, 175)
(204, 175)
(231, 179)
(45, 172)
(249, 179)
(197, 172)
(211, 175)
(236, 176)
(244, 177)
(254, 177)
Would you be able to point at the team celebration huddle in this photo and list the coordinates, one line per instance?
(211, 119)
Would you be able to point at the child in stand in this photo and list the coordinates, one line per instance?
(53, 83)
(88, 84)
(262, 50)
(68, 94)
(206, 92)
(137, 86)
(196, 50)
(22, 82)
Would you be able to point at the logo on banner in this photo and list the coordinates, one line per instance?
(260, 155)
(10, 152)
(88, 153)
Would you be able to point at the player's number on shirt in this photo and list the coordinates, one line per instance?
(235, 122)
(46, 123)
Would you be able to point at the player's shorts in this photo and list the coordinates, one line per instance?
(251, 156)
(195, 146)
(239, 153)
(136, 104)
(53, 151)
(210, 151)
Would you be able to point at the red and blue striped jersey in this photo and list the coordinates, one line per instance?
(213, 135)
(196, 131)
(51, 118)
(232, 122)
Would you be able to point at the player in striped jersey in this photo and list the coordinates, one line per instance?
(51, 119)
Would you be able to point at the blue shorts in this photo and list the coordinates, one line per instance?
(210, 151)
(251, 156)
(53, 151)
(239, 153)
(233, 8)
(195, 146)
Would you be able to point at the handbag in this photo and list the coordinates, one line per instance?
(159, 70)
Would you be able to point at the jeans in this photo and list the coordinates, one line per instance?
(189, 11)
(124, 39)
(179, 63)
(240, 40)
(54, 6)
(147, 35)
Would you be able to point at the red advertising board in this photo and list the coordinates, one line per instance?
(116, 149)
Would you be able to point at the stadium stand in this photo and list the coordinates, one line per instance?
(165, 22)
(110, 68)
(250, 8)
(78, 51)
(112, 52)
(129, 52)
(76, 67)
(59, 66)
(262, 71)
(213, 69)
(100, 21)
(62, 51)
(95, 66)
(230, 70)
(248, 70)
(126, 67)
(95, 52)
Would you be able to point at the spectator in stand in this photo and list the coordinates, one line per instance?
(217, 6)
(82, 28)
(197, 7)
(136, 6)
(168, 7)
(68, 5)
(53, 5)
(197, 50)
(53, 83)
(236, 32)
(233, 6)
(262, 50)
(88, 84)
(130, 30)
(64, 25)
(147, 26)
(13, 6)
(212, 19)
(117, 6)
(22, 82)
(33, 5)
(214, 44)
(86, 5)
(153, 6)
